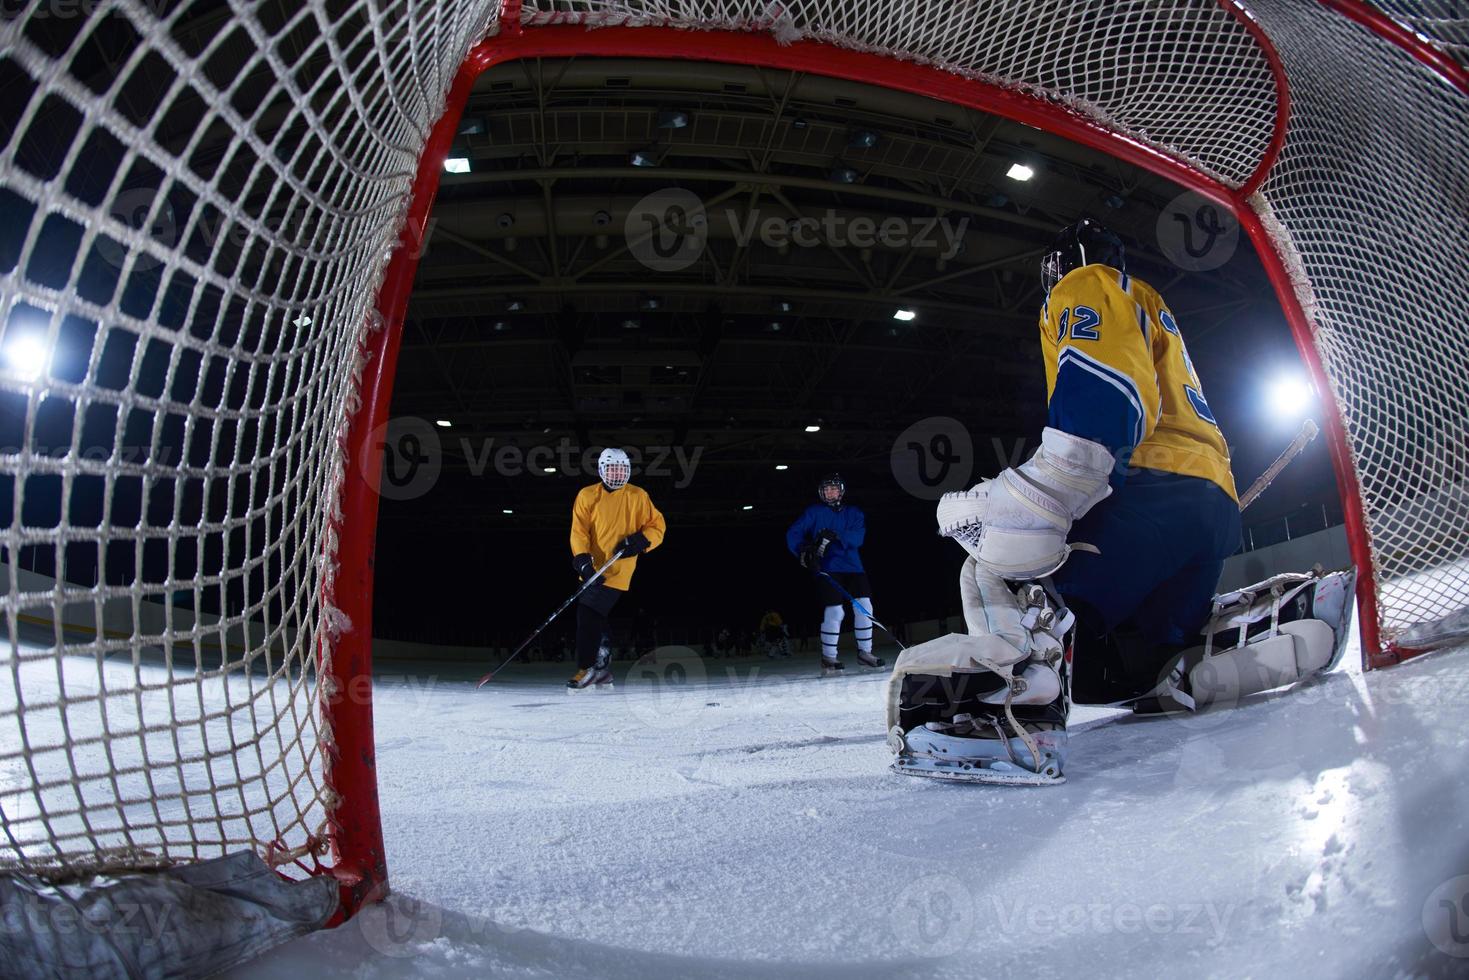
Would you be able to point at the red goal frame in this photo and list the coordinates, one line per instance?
(356, 836)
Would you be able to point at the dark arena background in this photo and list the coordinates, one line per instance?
(539, 329)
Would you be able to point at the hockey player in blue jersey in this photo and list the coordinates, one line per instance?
(1110, 539)
(826, 538)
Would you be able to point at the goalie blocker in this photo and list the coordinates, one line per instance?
(992, 706)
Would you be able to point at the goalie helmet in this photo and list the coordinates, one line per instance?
(1084, 243)
(614, 467)
(831, 490)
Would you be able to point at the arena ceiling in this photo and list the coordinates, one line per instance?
(539, 319)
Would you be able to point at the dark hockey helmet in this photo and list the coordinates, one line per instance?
(1084, 243)
(831, 490)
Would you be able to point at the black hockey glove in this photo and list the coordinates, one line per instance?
(583, 565)
(634, 544)
(811, 553)
(827, 537)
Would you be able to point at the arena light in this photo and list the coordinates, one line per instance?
(506, 510)
(905, 315)
(548, 469)
(1290, 396)
(781, 467)
(813, 427)
(748, 507)
(26, 356)
(456, 165)
(1019, 171)
(443, 423)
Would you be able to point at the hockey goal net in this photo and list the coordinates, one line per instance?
(207, 225)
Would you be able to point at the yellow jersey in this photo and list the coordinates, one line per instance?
(601, 518)
(1118, 373)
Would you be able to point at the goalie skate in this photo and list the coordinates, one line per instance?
(929, 752)
(1265, 636)
(987, 707)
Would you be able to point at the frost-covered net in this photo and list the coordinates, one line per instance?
(197, 203)
(195, 209)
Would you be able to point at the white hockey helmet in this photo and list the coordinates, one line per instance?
(614, 467)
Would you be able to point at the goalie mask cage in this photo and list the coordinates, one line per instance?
(211, 219)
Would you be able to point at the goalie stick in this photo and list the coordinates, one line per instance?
(1302, 439)
(550, 619)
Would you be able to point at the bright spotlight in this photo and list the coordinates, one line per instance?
(905, 315)
(1290, 396)
(443, 423)
(456, 165)
(26, 356)
(1019, 171)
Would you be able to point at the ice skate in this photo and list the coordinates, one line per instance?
(1265, 636)
(581, 680)
(832, 667)
(989, 706)
(977, 749)
(870, 661)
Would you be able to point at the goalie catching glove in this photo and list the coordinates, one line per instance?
(1016, 524)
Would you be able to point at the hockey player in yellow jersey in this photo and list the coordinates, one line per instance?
(609, 517)
(1116, 528)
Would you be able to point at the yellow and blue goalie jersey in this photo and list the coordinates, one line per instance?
(1118, 373)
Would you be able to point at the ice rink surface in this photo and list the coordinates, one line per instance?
(737, 818)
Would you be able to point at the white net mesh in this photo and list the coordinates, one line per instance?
(1183, 76)
(195, 213)
(197, 210)
(1372, 191)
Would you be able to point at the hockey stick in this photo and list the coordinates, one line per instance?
(862, 609)
(550, 619)
(1302, 439)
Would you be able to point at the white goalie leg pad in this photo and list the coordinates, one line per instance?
(1300, 649)
(1002, 635)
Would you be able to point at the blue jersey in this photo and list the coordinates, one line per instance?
(848, 524)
